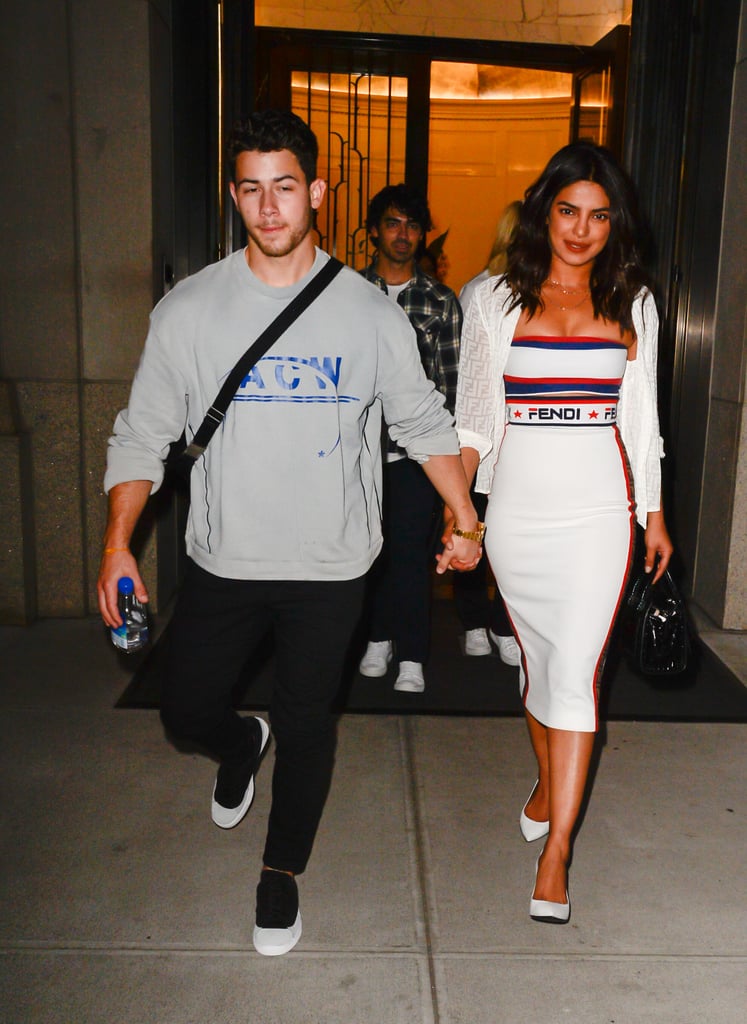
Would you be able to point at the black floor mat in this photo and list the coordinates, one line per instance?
(458, 685)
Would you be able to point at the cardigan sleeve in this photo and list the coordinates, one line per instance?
(490, 323)
(476, 395)
(638, 416)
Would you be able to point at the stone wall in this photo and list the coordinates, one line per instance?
(75, 280)
(581, 22)
(721, 578)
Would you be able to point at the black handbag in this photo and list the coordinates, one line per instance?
(181, 459)
(659, 637)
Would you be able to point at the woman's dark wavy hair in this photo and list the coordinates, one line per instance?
(618, 272)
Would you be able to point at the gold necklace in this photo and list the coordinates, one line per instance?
(564, 290)
(575, 305)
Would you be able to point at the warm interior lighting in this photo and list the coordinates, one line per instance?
(449, 81)
(595, 90)
(365, 85)
(490, 82)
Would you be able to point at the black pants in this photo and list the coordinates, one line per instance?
(400, 583)
(216, 626)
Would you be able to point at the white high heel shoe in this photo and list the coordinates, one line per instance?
(545, 910)
(530, 828)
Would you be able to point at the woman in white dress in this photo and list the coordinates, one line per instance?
(557, 416)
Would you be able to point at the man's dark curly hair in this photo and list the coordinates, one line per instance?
(618, 273)
(267, 131)
(405, 200)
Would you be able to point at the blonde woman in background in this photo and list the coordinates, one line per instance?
(504, 232)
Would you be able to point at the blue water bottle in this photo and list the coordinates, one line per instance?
(132, 635)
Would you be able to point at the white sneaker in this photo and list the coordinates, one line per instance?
(376, 660)
(278, 926)
(507, 648)
(410, 678)
(476, 643)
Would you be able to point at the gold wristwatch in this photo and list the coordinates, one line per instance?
(477, 534)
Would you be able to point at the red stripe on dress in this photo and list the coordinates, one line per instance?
(558, 400)
(560, 337)
(563, 380)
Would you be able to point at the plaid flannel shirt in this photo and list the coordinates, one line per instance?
(435, 313)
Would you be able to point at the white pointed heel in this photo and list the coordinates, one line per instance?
(546, 911)
(530, 828)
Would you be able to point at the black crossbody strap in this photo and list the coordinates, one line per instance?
(216, 412)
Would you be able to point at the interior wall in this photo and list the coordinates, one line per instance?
(482, 155)
(581, 22)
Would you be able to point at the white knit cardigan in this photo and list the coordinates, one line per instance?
(481, 402)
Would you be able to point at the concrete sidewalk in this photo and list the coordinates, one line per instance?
(123, 904)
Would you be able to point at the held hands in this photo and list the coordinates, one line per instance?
(658, 544)
(458, 553)
(117, 562)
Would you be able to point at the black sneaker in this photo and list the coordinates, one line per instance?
(234, 784)
(278, 926)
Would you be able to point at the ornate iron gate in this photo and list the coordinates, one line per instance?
(360, 122)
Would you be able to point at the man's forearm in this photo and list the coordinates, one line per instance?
(126, 503)
(470, 462)
(446, 474)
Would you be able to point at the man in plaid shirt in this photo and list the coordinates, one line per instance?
(397, 221)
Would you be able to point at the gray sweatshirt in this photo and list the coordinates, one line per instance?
(290, 485)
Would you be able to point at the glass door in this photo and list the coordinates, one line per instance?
(469, 123)
(599, 92)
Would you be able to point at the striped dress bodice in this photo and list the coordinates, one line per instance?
(567, 382)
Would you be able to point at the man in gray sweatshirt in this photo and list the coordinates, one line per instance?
(284, 518)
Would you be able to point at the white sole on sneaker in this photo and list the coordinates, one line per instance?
(375, 662)
(410, 678)
(476, 643)
(508, 649)
(229, 817)
(277, 941)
